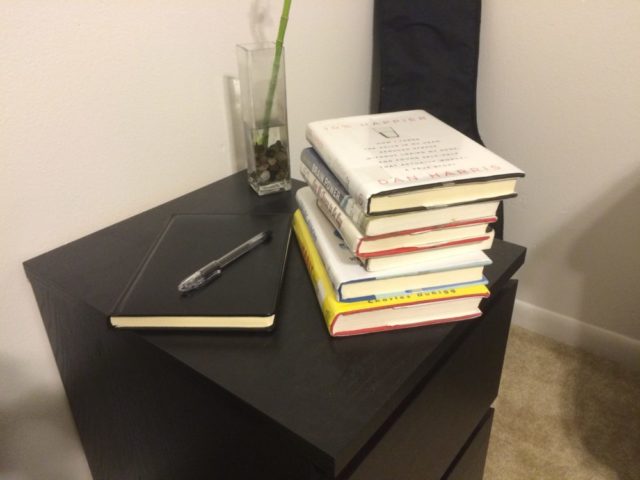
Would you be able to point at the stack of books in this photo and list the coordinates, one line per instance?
(395, 220)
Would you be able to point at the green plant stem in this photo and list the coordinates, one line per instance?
(275, 69)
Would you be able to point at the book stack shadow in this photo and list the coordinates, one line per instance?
(395, 220)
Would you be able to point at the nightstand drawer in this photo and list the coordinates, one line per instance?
(433, 425)
(470, 463)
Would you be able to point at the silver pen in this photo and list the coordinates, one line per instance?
(213, 269)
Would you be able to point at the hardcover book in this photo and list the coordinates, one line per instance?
(377, 264)
(244, 296)
(405, 241)
(316, 173)
(351, 282)
(392, 162)
(388, 313)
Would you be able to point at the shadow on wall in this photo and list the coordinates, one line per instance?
(607, 407)
(234, 120)
(31, 421)
(599, 246)
(608, 257)
(260, 19)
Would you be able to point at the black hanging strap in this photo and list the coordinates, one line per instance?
(426, 57)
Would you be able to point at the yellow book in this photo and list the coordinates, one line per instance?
(380, 314)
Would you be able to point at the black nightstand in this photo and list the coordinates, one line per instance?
(291, 404)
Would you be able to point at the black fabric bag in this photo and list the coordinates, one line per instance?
(426, 57)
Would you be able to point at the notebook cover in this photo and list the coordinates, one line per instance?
(249, 286)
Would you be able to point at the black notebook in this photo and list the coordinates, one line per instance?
(245, 296)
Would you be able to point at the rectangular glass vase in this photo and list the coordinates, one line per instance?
(264, 117)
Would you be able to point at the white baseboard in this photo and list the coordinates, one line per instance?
(568, 330)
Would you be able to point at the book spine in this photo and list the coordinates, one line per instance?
(317, 273)
(333, 187)
(348, 231)
(482, 281)
(320, 243)
(334, 160)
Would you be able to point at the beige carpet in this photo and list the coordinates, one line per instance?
(563, 414)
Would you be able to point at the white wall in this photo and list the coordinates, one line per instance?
(559, 95)
(109, 108)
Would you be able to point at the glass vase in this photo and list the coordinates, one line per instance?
(264, 116)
